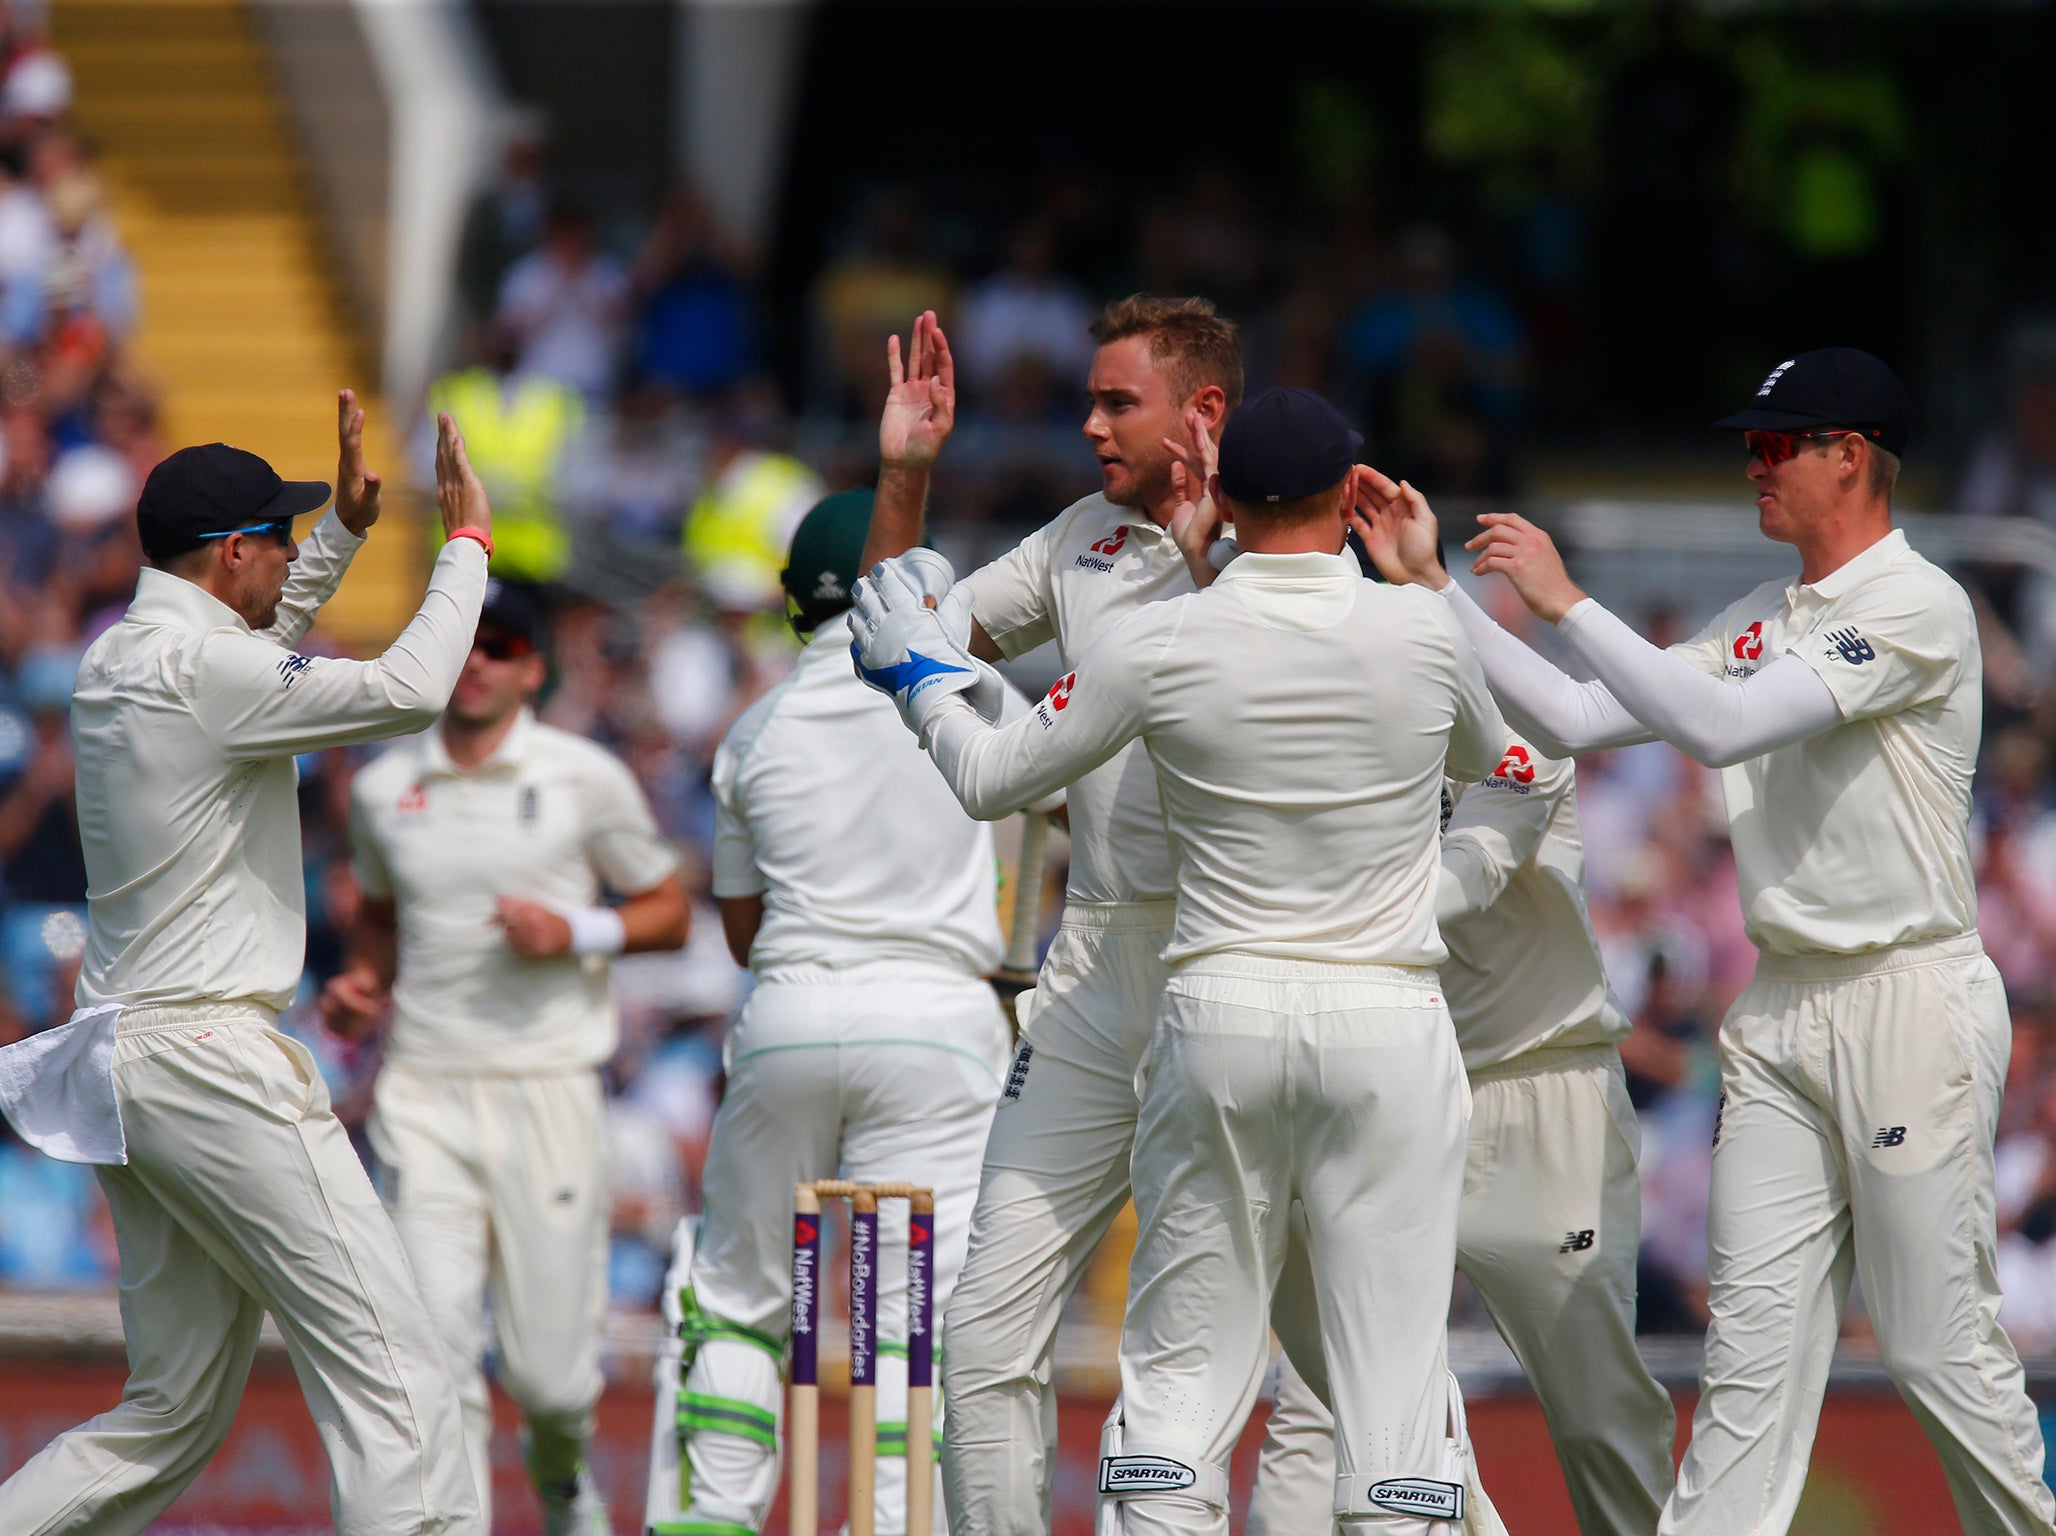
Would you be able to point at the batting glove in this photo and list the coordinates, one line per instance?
(911, 652)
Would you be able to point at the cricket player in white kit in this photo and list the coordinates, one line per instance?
(1862, 1068)
(1165, 376)
(233, 1187)
(1551, 1218)
(482, 848)
(1302, 1050)
(863, 898)
(1056, 1167)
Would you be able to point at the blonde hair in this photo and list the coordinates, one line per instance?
(1191, 345)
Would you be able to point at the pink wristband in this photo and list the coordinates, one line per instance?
(485, 539)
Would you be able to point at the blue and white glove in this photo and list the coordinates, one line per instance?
(915, 654)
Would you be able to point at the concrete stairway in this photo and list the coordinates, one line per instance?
(242, 325)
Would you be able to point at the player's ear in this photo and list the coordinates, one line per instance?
(1211, 401)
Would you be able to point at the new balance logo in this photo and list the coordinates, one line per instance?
(1851, 646)
(1017, 1074)
(1889, 1136)
(289, 670)
(1575, 1242)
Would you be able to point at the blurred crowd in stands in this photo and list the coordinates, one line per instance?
(647, 462)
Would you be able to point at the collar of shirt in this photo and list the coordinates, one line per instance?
(510, 754)
(1848, 576)
(162, 598)
(1306, 568)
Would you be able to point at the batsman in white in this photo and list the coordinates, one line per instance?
(1552, 1216)
(233, 1187)
(862, 897)
(1861, 1069)
(1302, 1051)
(482, 847)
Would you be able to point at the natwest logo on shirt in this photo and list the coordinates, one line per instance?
(1749, 643)
(414, 802)
(1056, 701)
(1104, 550)
(1516, 770)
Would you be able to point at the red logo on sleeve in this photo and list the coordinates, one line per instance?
(1111, 544)
(1749, 643)
(1516, 765)
(1060, 691)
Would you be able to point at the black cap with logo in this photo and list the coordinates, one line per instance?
(203, 492)
(1833, 387)
(511, 606)
(1283, 444)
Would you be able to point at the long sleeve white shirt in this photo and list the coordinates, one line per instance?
(1523, 971)
(1070, 582)
(1300, 720)
(1855, 836)
(185, 724)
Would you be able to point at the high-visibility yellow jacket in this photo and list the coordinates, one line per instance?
(517, 433)
(736, 534)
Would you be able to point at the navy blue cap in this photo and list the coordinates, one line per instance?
(1284, 444)
(214, 489)
(511, 606)
(1832, 387)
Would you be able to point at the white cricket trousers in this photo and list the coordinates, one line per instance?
(1859, 1100)
(1341, 1087)
(242, 1195)
(878, 1073)
(498, 1184)
(1548, 1233)
(1055, 1176)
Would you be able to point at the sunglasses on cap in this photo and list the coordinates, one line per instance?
(278, 528)
(1776, 447)
(502, 647)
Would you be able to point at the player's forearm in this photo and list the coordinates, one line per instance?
(659, 918)
(897, 513)
(323, 560)
(1713, 720)
(1559, 714)
(996, 773)
(1471, 879)
(375, 943)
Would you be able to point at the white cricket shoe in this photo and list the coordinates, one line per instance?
(574, 1508)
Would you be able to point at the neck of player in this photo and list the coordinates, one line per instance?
(471, 742)
(1840, 537)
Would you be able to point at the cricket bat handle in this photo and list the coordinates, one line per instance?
(1016, 972)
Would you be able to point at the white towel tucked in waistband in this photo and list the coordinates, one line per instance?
(57, 1088)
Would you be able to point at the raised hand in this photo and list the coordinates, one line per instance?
(1398, 529)
(357, 488)
(921, 407)
(1197, 520)
(1527, 557)
(459, 493)
(907, 646)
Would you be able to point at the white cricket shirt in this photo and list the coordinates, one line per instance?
(1523, 971)
(549, 817)
(1071, 581)
(1858, 838)
(185, 725)
(826, 807)
(1299, 720)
